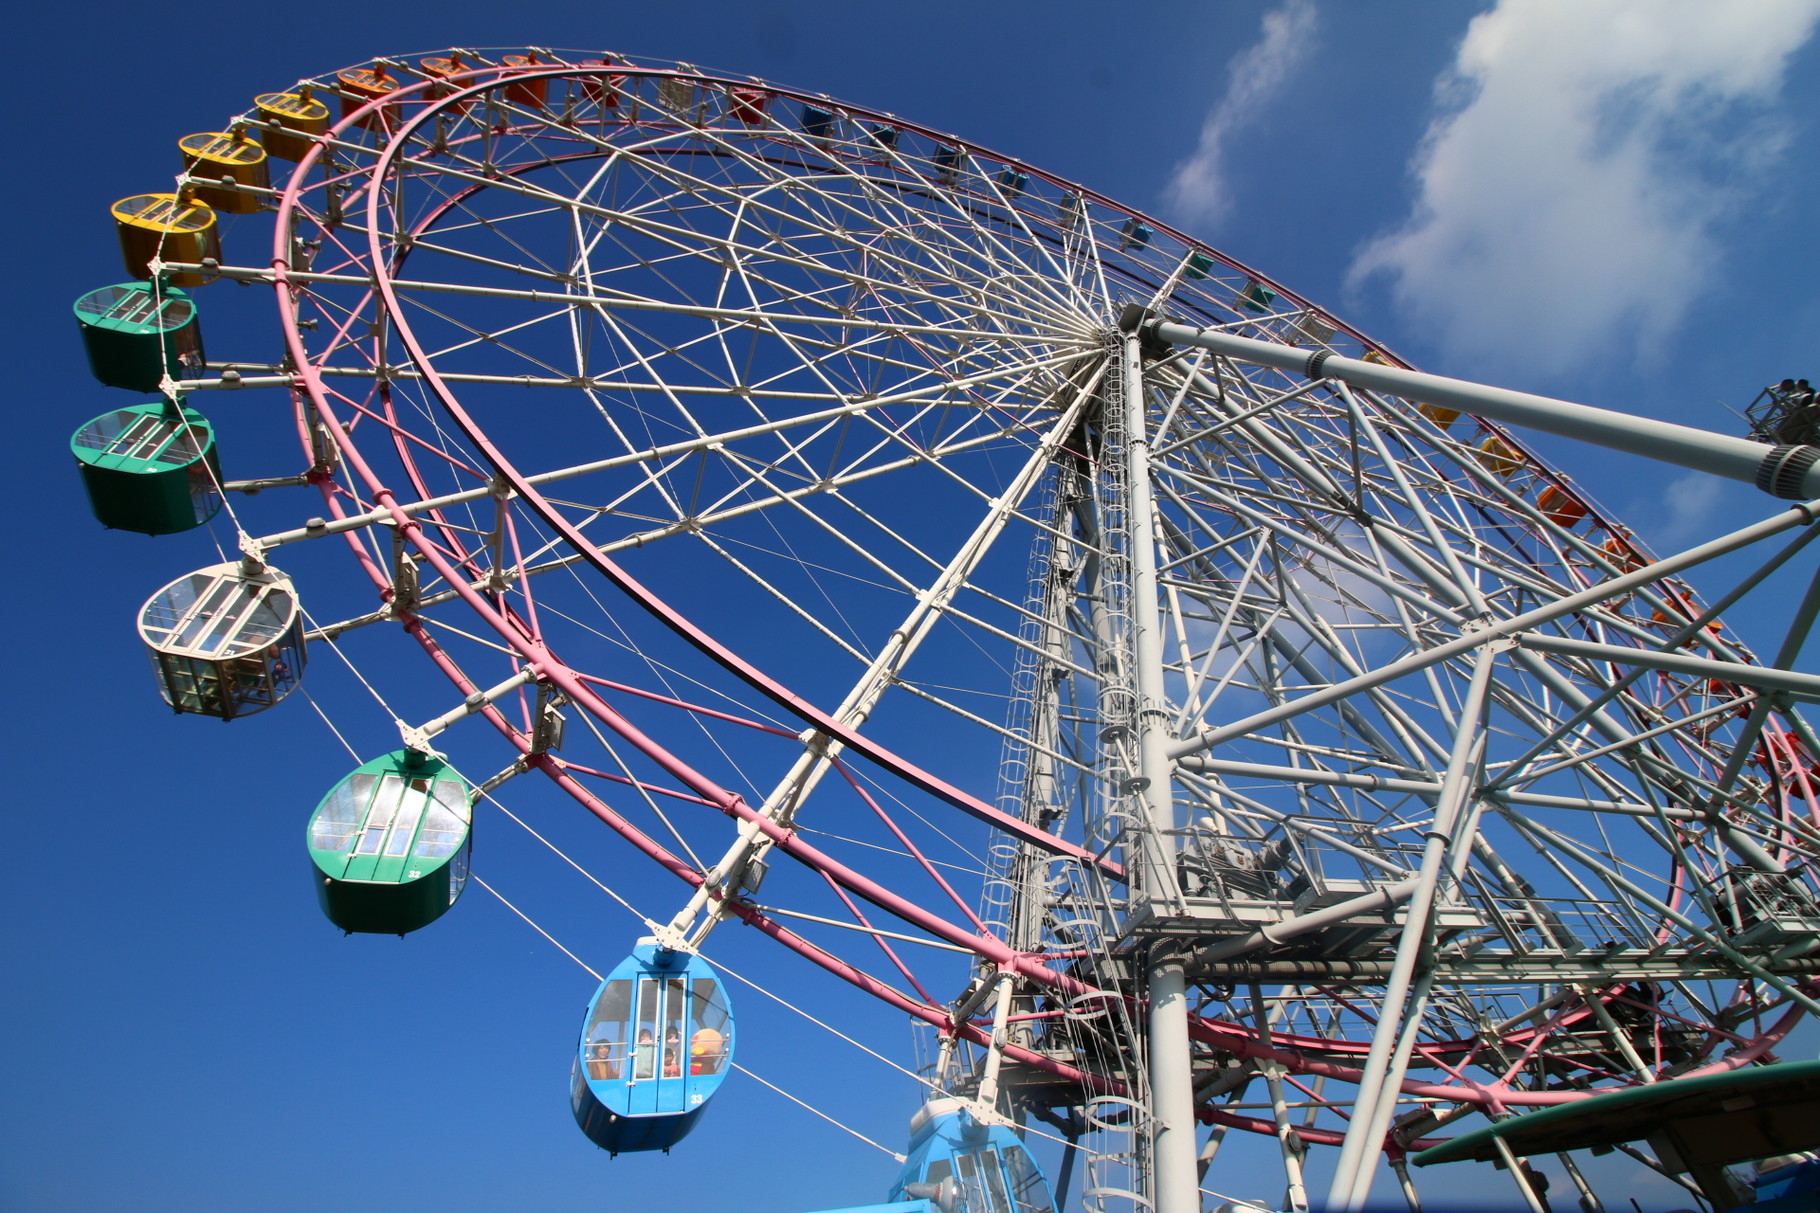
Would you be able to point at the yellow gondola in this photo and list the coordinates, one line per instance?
(299, 118)
(166, 227)
(214, 156)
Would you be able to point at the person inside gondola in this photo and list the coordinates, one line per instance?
(281, 669)
(644, 1056)
(602, 1062)
(673, 1053)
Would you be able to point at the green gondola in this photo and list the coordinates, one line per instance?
(150, 468)
(136, 333)
(389, 844)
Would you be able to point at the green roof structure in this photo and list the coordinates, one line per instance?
(1696, 1125)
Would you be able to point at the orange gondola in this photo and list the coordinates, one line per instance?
(364, 84)
(1560, 506)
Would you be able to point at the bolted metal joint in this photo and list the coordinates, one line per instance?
(1783, 470)
(1136, 318)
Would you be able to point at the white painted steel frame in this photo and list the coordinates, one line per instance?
(1244, 644)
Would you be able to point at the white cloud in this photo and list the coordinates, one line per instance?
(1571, 183)
(1197, 191)
(1688, 512)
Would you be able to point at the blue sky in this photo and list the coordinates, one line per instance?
(1604, 201)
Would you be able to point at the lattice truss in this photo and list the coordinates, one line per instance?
(775, 437)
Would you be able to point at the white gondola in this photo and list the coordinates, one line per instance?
(225, 641)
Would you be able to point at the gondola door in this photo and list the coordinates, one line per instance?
(673, 1052)
(659, 1050)
(641, 1092)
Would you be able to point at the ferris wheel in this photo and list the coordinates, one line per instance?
(1197, 718)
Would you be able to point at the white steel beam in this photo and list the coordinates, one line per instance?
(1792, 472)
(1177, 1170)
(1405, 991)
(1801, 515)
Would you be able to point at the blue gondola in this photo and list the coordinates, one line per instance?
(657, 1042)
(818, 123)
(957, 1164)
(1787, 1184)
